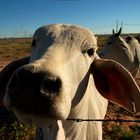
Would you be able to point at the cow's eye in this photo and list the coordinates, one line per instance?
(90, 51)
(33, 43)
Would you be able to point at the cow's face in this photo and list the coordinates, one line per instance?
(58, 71)
(116, 48)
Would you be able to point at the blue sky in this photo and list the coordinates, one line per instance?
(23, 17)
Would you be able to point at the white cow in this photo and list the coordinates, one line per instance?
(126, 51)
(64, 79)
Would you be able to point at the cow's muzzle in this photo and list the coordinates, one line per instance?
(33, 91)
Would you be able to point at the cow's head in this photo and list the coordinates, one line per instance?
(56, 78)
(118, 49)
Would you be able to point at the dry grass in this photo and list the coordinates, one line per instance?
(14, 48)
(11, 49)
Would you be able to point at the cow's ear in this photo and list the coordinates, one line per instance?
(116, 84)
(119, 32)
(7, 72)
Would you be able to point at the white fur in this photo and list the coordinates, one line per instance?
(125, 52)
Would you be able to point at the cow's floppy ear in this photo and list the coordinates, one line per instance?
(7, 72)
(116, 84)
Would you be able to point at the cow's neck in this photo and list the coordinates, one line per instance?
(92, 106)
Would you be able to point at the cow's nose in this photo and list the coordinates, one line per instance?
(29, 84)
(24, 81)
(51, 86)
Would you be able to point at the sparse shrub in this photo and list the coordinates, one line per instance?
(121, 134)
(16, 131)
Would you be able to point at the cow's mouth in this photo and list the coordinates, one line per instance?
(35, 107)
(40, 120)
(51, 107)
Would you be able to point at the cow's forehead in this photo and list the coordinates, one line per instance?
(63, 33)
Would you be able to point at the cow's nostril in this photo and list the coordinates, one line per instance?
(51, 86)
